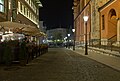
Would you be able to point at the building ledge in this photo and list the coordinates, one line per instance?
(99, 9)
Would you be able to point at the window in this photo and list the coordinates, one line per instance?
(78, 8)
(35, 9)
(103, 22)
(20, 7)
(27, 12)
(37, 12)
(29, 15)
(9, 4)
(1, 5)
(29, 1)
(32, 4)
(24, 10)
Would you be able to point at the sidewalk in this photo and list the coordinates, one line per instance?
(106, 59)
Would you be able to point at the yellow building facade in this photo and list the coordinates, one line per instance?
(82, 8)
(109, 21)
(104, 20)
(20, 16)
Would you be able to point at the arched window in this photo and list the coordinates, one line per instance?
(112, 14)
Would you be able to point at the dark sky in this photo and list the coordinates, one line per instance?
(57, 13)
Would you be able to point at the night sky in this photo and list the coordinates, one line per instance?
(57, 13)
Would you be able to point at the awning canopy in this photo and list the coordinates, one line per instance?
(40, 34)
(17, 27)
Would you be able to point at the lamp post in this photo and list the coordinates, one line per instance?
(68, 40)
(85, 20)
(73, 39)
(65, 41)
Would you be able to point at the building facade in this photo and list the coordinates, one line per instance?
(57, 33)
(24, 11)
(25, 14)
(20, 11)
(110, 21)
(103, 23)
(43, 39)
(82, 8)
(3, 10)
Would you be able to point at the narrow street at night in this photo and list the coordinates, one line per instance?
(59, 40)
(60, 64)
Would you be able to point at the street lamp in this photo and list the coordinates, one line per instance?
(68, 35)
(68, 40)
(65, 41)
(85, 20)
(73, 38)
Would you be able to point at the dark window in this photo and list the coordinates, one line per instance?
(20, 7)
(24, 9)
(103, 22)
(27, 13)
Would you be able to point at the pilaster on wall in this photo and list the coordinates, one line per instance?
(75, 8)
(118, 30)
(95, 22)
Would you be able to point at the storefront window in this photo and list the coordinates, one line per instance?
(1, 5)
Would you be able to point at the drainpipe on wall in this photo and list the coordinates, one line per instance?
(7, 9)
(100, 26)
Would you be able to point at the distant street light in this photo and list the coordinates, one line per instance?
(85, 20)
(68, 35)
(73, 38)
(68, 40)
(65, 41)
(65, 38)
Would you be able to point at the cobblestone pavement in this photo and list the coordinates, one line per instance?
(60, 65)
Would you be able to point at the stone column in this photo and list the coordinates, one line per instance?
(118, 32)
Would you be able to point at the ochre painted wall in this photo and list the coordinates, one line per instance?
(110, 29)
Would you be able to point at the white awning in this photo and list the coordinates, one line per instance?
(13, 26)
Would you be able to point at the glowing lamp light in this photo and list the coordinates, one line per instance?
(68, 35)
(85, 18)
(73, 30)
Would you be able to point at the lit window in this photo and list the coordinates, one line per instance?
(19, 7)
(9, 4)
(1, 5)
